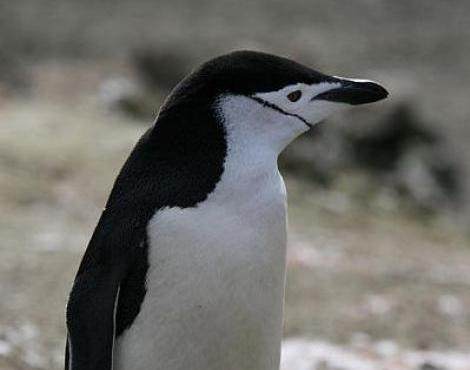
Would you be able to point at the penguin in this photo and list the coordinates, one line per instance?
(186, 267)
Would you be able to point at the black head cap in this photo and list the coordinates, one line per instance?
(243, 72)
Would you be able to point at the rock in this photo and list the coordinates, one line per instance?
(160, 68)
(126, 96)
(428, 178)
(382, 146)
(430, 366)
(403, 152)
(157, 71)
(14, 76)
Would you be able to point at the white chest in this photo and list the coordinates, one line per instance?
(215, 286)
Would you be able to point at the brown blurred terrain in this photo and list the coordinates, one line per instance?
(379, 254)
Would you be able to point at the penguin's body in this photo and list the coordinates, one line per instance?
(186, 268)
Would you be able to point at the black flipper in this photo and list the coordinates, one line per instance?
(113, 256)
(91, 319)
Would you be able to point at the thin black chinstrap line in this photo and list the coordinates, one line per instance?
(280, 110)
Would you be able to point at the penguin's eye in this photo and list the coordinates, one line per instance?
(294, 95)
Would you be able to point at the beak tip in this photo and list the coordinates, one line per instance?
(380, 91)
(369, 92)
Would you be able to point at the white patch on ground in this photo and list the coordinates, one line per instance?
(22, 342)
(305, 354)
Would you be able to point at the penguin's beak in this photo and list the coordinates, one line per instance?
(353, 92)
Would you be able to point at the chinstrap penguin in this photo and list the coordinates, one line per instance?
(186, 267)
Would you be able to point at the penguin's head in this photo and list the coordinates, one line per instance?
(269, 99)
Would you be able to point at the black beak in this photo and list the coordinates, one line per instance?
(354, 92)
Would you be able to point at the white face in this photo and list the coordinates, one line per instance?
(273, 119)
(297, 99)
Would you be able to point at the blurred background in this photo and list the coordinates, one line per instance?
(379, 253)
